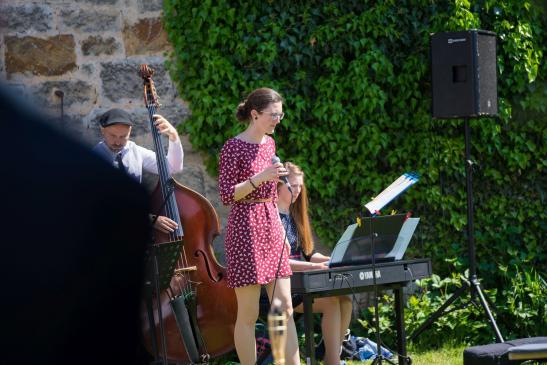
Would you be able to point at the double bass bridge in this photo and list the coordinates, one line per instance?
(183, 270)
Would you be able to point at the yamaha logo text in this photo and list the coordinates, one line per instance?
(364, 275)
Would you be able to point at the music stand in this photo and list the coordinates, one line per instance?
(372, 208)
(379, 356)
(163, 257)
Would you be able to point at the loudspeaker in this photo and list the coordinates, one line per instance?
(464, 74)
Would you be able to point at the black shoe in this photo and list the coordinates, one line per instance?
(320, 350)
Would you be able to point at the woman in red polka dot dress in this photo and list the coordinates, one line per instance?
(256, 253)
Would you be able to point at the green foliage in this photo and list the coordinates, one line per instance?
(524, 302)
(465, 321)
(355, 78)
(466, 325)
(520, 310)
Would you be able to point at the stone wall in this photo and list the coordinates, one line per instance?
(76, 59)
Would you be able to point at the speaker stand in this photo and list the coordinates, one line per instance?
(473, 282)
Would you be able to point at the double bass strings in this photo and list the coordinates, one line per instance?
(170, 207)
(161, 163)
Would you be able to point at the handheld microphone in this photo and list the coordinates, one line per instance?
(285, 179)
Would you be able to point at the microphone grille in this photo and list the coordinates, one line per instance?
(275, 159)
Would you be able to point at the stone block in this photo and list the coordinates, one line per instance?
(25, 18)
(192, 177)
(150, 5)
(83, 2)
(74, 92)
(175, 111)
(147, 36)
(2, 64)
(97, 45)
(98, 2)
(88, 69)
(90, 20)
(121, 80)
(45, 57)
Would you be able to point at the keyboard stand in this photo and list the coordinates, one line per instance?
(399, 319)
(356, 279)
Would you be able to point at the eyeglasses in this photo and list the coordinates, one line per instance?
(274, 116)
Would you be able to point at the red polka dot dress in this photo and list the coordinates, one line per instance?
(254, 235)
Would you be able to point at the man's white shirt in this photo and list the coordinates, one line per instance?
(136, 158)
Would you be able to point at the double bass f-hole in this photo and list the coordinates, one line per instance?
(219, 275)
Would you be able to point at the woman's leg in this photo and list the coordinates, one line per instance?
(346, 309)
(330, 326)
(283, 293)
(247, 314)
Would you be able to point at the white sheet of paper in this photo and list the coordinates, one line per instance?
(399, 249)
(340, 249)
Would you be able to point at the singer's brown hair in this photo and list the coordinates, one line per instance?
(299, 211)
(258, 100)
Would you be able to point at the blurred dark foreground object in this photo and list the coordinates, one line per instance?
(507, 353)
(74, 232)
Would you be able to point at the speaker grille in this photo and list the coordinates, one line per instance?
(487, 74)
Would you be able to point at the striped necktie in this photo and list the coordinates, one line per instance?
(120, 162)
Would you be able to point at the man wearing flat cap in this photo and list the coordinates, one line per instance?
(131, 158)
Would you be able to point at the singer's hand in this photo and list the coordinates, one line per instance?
(281, 171)
(272, 172)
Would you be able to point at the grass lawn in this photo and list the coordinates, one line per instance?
(444, 356)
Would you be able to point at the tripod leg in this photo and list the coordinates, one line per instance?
(477, 288)
(439, 312)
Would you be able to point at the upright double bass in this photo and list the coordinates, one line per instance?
(198, 309)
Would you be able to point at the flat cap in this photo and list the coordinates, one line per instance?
(115, 116)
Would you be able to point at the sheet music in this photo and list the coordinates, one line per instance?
(342, 245)
(403, 239)
(392, 191)
(355, 244)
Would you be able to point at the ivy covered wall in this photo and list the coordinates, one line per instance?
(356, 81)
